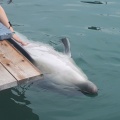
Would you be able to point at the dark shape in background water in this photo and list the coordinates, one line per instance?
(94, 28)
(93, 2)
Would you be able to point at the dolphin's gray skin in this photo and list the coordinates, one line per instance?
(59, 68)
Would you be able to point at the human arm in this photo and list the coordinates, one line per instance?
(4, 20)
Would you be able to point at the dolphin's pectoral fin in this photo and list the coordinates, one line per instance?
(66, 43)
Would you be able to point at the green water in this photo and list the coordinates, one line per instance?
(94, 32)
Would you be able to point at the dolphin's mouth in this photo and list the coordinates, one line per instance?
(91, 94)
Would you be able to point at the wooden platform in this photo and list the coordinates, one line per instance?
(14, 67)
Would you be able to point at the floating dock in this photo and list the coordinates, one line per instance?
(15, 67)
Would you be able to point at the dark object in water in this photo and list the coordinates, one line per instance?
(9, 1)
(94, 28)
(92, 2)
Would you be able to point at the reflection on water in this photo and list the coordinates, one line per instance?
(12, 110)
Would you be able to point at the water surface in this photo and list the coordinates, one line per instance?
(93, 30)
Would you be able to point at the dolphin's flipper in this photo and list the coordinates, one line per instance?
(66, 43)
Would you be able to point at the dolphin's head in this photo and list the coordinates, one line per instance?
(88, 87)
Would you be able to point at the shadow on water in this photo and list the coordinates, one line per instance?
(12, 110)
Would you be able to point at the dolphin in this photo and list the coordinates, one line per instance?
(59, 67)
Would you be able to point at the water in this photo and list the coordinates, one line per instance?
(93, 30)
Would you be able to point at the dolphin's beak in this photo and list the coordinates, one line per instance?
(88, 88)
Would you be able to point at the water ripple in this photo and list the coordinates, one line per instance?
(111, 30)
